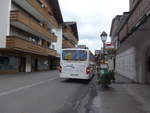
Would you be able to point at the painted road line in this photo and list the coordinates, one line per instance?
(25, 87)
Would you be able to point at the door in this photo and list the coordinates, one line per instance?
(22, 64)
(148, 70)
(34, 64)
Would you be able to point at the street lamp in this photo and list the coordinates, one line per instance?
(103, 38)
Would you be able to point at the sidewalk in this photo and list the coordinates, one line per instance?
(124, 96)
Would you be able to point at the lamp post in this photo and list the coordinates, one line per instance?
(103, 38)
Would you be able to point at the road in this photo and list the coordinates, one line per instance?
(40, 92)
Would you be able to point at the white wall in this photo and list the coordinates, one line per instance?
(28, 63)
(59, 35)
(125, 63)
(5, 8)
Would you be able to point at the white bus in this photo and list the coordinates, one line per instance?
(77, 64)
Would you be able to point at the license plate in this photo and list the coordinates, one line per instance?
(74, 74)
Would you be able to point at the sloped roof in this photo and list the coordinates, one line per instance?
(56, 9)
(73, 25)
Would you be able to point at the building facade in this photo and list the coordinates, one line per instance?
(117, 23)
(30, 32)
(133, 58)
(70, 35)
(82, 46)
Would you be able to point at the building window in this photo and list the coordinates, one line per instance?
(118, 43)
(43, 64)
(53, 46)
(8, 63)
(34, 40)
(49, 44)
(41, 3)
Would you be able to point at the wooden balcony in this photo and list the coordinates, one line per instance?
(16, 43)
(44, 11)
(136, 16)
(67, 44)
(26, 23)
(69, 35)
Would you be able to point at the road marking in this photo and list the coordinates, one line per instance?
(25, 87)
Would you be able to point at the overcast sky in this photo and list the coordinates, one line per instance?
(92, 17)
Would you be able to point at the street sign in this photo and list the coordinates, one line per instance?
(97, 52)
(109, 46)
(104, 66)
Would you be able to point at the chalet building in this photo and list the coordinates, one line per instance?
(70, 35)
(132, 34)
(30, 35)
(82, 46)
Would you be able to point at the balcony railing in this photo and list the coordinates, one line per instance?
(142, 7)
(70, 34)
(43, 11)
(16, 43)
(68, 44)
(17, 16)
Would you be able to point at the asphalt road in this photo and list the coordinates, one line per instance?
(41, 92)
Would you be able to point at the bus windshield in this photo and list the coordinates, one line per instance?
(74, 55)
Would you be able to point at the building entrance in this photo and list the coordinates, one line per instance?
(34, 64)
(147, 78)
(22, 64)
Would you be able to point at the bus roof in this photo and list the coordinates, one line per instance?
(75, 49)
